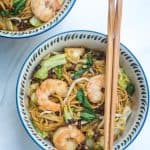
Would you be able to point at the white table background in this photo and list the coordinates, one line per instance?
(86, 14)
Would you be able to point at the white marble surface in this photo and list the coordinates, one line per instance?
(86, 14)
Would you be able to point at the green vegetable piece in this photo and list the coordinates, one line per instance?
(42, 73)
(84, 68)
(130, 89)
(88, 116)
(48, 64)
(15, 2)
(4, 13)
(79, 73)
(89, 60)
(18, 5)
(35, 22)
(54, 61)
(83, 99)
(58, 71)
(67, 114)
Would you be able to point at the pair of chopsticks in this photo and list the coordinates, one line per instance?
(112, 69)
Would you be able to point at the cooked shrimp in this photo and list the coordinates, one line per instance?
(95, 88)
(45, 9)
(68, 138)
(46, 89)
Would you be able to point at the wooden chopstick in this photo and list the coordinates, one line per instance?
(112, 68)
(116, 56)
(108, 77)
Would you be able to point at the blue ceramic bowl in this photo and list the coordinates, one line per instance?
(92, 40)
(67, 6)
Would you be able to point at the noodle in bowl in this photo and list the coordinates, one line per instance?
(23, 18)
(68, 81)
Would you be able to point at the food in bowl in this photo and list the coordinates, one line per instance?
(21, 15)
(66, 99)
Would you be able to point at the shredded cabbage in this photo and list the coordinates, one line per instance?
(74, 54)
(90, 133)
(123, 79)
(120, 122)
(67, 114)
(35, 22)
(126, 113)
(40, 133)
(90, 143)
(48, 64)
(99, 144)
(33, 88)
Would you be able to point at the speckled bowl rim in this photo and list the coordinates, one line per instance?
(41, 31)
(84, 31)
